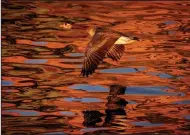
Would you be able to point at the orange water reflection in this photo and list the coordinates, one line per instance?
(43, 92)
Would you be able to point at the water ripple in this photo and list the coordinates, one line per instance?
(161, 75)
(36, 61)
(84, 100)
(183, 102)
(90, 88)
(146, 124)
(122, 70)
(55, 133)
(22, 112)
(6, 83)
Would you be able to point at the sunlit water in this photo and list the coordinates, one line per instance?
(43, 92)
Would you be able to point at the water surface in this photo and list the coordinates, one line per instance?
(145, 124)
(44, 94)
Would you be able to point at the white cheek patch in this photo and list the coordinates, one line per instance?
(123, 40)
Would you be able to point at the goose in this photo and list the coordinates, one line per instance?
(104, 43)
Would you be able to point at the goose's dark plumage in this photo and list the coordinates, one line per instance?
(104, 42)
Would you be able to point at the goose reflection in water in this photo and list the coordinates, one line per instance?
(115, 106)
(91, 118)
(115, 113)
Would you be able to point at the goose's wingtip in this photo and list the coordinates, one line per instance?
(84, 73)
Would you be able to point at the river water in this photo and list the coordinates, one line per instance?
(43, 92)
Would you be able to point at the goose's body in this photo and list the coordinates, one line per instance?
(104, 42)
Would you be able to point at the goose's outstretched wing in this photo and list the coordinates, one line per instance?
(116, 51)
(95, 53)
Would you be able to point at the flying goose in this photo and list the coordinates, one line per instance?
(104, 42)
